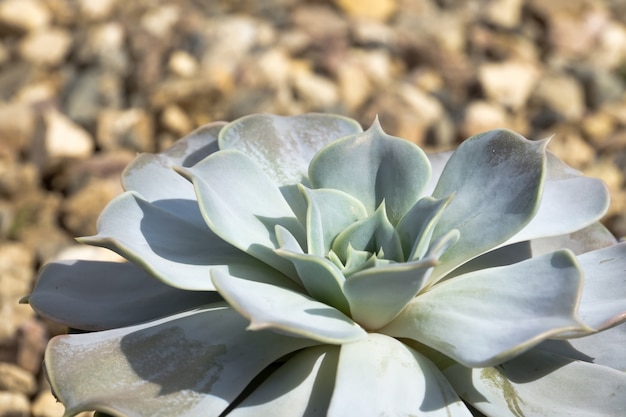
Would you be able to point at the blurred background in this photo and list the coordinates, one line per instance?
(85, 85)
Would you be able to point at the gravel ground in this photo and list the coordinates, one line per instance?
(87, 84)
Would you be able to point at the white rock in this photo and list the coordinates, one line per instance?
(88, 253)
(97, 9)
(425, 106)
(183, 64)
(25, 15)
(64, 138)
(45, 405)
(481, 116)
(14, 404)
(46, 46)
(509, 83)
(315, 90)
(176, 120)
(505, 13)
(159, 21)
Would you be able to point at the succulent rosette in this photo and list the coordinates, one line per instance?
(300, 266)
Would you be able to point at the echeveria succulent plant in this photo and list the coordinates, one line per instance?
(298, 266)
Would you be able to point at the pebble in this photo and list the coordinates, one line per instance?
(45, 405)
(64, 138)
(97, 9)
(481, 116)
(125, 129)
(503, 13)
(15, 379)
(46, 46)
(380, 10)
(183, 64)
(14, 404)
(497, 81)
(563, 94)
(25, 15)
(176, 120)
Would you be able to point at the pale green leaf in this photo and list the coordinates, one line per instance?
(496, 179)
(286, 311)
(242, 205)
(190, 364)
(302, 387)
(487, 317)
(91, 295)
(177, 252)
(373, 167)
(380, 376)
(283, 146)
(541, 384)
(377, 295)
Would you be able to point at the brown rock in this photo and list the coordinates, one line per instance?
(125, 129)
(481, 116)
(563, 94)
(32, 340)
(15, 379)
(45, 405)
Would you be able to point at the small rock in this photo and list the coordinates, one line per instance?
(504, 13)
(46, 46)
(45, 405)
(563, 94)
(125, 129)
(17, 122)
(88, 253)
(64, 138)
(13, 404)
(80, 211)
(31, 341)
(598, 127)
(159, 21)
(91, 92)
(176, 120)
(317, 92)
(15, 379)
(24, 15)
(380, 10)
(105, 46)
(509, 83)
(183, 64)
(354, 86)
(97, 9)
(481, 116)
(571, 148)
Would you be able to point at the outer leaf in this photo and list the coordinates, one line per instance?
(496, 178)
(590, 238)
(377, 295)
(329, 212)
(91, 295)
(603, 348)
(175, 366)
(286, 311)
(283, 146)
(585, 200)
(603, 303)
(242, 205)
(179, 253)
(487, 317)
(380, 376)
(373, 167)
(540, 384)
(302, 387)
(153, 176)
